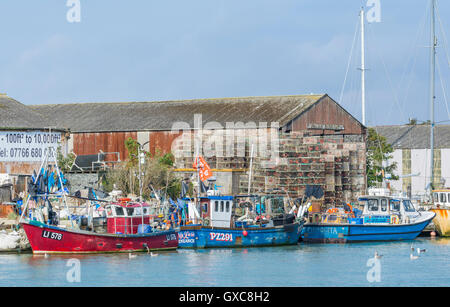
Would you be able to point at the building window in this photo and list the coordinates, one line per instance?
(406, 169)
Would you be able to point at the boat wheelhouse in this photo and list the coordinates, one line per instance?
(441, 206)
(214, 222)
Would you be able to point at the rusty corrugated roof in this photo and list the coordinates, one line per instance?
(161, 115)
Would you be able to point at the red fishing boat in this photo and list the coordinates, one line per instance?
(126, 229)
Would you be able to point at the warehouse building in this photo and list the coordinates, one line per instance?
(25, 136)
(300, 139)
(412, 154)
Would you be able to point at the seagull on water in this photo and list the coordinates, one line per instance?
(421, 251)
(153, 254)
(377, 256)
(130, 255)
(412, 257)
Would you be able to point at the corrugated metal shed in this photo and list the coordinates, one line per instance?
(415, 136)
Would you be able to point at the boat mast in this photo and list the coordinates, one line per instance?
(363, 70)
(432, 90)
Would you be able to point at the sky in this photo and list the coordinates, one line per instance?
(145, 50)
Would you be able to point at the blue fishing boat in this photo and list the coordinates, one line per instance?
(214, 223)
(380, 218)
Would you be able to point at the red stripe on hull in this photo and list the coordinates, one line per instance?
(56, 240)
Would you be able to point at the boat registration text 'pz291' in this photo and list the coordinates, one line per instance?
(52, 235)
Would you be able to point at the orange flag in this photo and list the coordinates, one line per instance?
(203, 167)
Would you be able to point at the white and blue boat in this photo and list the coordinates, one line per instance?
(380, 218)
(213, 223)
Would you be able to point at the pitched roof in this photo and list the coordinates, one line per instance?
(415, 136)
(141, 116)
(15, 115)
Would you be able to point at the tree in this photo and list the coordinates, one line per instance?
(64, 162)
(379, 151)
(157, 172)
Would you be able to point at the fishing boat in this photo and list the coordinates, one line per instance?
(214, 223)
(378, 218)
(122, 226)
(441, 207)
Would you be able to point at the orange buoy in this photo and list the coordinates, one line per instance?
(245, 233)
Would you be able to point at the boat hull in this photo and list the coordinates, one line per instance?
(347, 233)
(209, 237)
(442, 221)
(49, 239)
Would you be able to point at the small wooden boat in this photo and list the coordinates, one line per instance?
(383, 218)
(219, 227)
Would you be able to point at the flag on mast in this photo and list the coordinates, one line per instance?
(204, 170)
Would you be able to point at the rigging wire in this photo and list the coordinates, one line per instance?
(444, 36)
(389, 81)
(420, 31)
(349, 60)
(443, 87)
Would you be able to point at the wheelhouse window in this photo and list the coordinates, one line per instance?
(109, 211)
(394, 205)
(408, 206)
(227, 206)
(384, 205)
(443, 197)
(372, 204)
(119, 211)
(216, 206)
(436, 197)
(130, 211)
(221, 206)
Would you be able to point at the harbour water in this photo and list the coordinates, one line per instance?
(301, 265)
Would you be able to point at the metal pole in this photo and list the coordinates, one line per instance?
(140, 173)
(432, 90)
(363, 70)
(250, 172)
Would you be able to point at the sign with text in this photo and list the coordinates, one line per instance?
(30, 146)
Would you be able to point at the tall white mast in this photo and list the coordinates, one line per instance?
(432, 89)
(363, 70)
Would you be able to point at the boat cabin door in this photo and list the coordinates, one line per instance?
(220, 213)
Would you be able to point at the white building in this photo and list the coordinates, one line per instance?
(412, 155)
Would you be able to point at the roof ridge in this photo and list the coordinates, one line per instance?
(182, 100)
